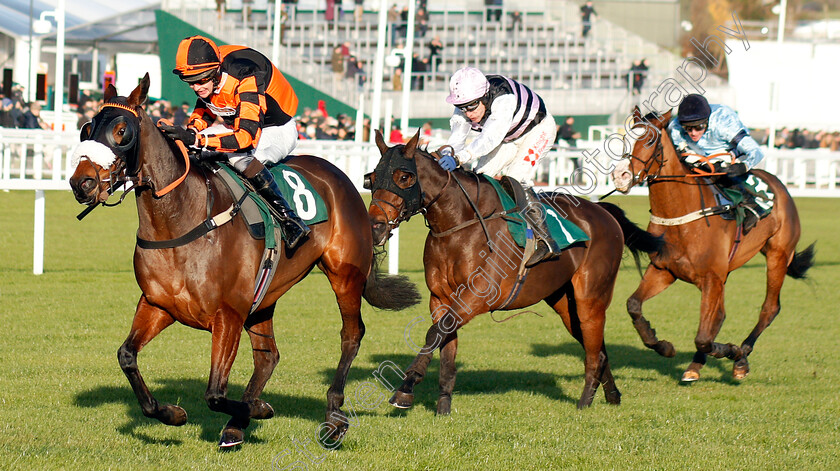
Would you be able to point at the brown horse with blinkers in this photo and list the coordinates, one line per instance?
(470, 270)
(208, 283)
(703, 251)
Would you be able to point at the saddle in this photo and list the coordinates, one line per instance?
(258, 218)
(512, 196)
(751, 200)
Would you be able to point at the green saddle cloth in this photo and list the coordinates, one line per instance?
(298, 192)
(757, 188)
(564, 232)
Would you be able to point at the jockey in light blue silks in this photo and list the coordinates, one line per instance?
(703, 130)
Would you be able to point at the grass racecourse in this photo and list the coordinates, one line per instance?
(65, 404)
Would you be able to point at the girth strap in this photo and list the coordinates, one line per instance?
(714, 210)
(206, 226)
(471, 222)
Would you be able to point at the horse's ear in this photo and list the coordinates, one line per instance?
(637, 115)
(411, 146)
(110, 92)
(380, 142)
(666, 118)
(140, 94)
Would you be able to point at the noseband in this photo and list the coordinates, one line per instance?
(658, 157)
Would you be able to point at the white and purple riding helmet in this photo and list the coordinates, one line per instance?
(467, 84)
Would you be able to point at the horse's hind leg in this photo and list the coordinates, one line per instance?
(266, 357)
(348, 288)
(653, 282)
(148, 322)
(590, 334)
(777, 261)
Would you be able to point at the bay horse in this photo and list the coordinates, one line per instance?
(471, 271)
(704, 251)
(209, 282)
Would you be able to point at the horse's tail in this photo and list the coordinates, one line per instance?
(636, 239)
(391, 292)
(801, 262)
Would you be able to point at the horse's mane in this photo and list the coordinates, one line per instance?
(426, 153)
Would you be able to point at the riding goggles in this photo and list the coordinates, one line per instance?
(471, 106)
(695, 127)
(200, 82)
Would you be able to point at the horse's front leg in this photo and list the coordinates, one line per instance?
(227, 330)
(653, 282)
(712, 315)
(266, 357)
(448, 351)
(403, 397)
(148, 322)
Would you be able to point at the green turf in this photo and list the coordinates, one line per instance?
(65, 404)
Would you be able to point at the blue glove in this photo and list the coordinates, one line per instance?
(447, 160)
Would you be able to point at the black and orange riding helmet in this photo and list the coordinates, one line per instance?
(197, 59)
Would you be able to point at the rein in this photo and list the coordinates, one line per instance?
(473, 206)
(173, 185)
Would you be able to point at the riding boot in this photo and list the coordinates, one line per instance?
(547, 247)
(751, 217)
(752, 211)
(293, 228)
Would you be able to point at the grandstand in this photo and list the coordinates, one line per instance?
(545, 50)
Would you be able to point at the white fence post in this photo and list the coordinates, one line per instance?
(38, 242)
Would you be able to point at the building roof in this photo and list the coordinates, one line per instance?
(87, 22)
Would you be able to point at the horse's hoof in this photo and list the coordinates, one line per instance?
(690, 376)
(613, 397)
(666, 349)
(444, 405)
(261, 410)
(740, 371)
(172, 415)
(402, 400)
(231, 437)
(338, 420)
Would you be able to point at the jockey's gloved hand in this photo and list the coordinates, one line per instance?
(736, 170)
(718, 167)
(187, 136)
(447, 161)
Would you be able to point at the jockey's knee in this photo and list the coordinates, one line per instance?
(241, 161)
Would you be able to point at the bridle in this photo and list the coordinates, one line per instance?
(412, 196)
(126, 167)
(658, 157)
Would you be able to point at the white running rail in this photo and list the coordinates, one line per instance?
(40, 160)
